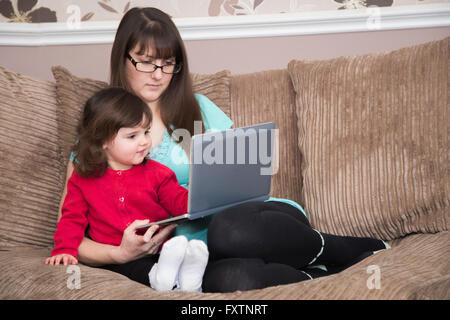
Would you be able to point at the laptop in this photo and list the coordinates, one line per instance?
(228, 168)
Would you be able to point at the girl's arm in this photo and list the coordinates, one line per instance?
(89, 251)
(71, 227)
(172, 196)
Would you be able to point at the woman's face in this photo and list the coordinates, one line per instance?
(148, 86)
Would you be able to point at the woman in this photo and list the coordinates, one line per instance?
(251, 246)
(148, 58)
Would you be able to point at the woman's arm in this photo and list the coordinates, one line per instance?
(132, 247)
(97, 254)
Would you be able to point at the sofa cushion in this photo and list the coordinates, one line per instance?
(374, 135)
(29, 160)
(72, 92)
(268, 96)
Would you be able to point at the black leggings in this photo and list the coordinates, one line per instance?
(261, 244)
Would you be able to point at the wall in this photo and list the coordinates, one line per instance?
(260, 40)
(207, 56)
(36, 11)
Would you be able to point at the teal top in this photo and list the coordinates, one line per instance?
(172, 155)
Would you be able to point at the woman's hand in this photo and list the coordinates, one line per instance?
(66, 259)
(134, 246)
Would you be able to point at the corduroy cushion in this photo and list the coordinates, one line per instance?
(29, 160)
(268, 96)
(72, 92)
(374, 134)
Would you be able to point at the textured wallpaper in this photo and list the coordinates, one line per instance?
(36, 11)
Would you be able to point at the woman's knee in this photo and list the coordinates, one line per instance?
(229, 228)
(235, 223)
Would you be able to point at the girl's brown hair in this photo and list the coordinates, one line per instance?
(150, 27)
(104, 114)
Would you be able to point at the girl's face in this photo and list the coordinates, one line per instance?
(128, 148)
(148, 86)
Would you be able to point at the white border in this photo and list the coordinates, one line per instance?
(226, 27)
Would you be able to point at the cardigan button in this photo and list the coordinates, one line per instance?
(121, 199)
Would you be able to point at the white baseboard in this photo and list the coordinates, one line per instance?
(226, 27)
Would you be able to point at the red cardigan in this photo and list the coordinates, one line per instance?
(113, 201)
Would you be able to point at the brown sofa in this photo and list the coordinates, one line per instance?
(364, 147)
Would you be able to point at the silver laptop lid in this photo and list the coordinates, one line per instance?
(231, 167)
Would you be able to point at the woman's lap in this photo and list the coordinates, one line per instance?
(263, 230)
(251, 247)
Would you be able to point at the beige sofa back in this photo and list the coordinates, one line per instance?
(269, 96)
(364, 141)
(374, 133)
(30, 162)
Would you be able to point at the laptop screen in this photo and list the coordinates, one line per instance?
(231, 167)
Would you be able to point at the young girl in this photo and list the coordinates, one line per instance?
(114, 184)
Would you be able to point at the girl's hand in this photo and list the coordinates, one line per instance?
(134, 246)
(66, 259)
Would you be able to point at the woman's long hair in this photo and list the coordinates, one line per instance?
(145, 28)
(104, 114)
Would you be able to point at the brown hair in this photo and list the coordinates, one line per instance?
(104, 114)
(144, 27)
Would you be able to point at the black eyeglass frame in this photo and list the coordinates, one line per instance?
(177, 66)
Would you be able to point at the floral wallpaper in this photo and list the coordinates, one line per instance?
(39, 11)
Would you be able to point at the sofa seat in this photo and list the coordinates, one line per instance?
(411, 269)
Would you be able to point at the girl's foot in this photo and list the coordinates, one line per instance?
(193, 267)
(163, 275)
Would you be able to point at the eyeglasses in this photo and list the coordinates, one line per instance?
(146, 66)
